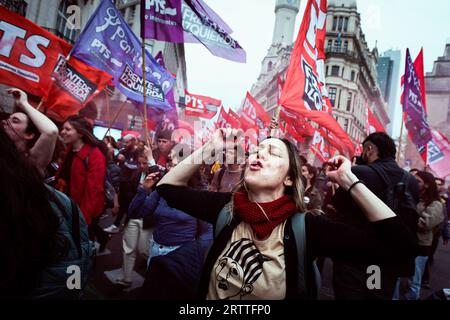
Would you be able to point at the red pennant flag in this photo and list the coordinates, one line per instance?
(28, 53)
(75, 84)
(222, 119)
(201, 106)
(419, 68)
(253, 115)
(373, 124)
(233, 119)
(304, 89)
(438, 155)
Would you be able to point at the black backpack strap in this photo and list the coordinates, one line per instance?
(76, 227)
(298, 227)
(75, 220)
(299, 230)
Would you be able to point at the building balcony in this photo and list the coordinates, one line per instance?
(339, 51)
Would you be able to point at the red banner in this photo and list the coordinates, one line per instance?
(253, 115)
(304, 91)
(438, 154)
(28, 53)
(201, 106)
(74, 85)
(373, 123)
(233, 119)
(222, 119)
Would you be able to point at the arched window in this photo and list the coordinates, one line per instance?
(62, 29)
(269, 66)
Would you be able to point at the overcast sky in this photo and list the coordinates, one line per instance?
(394, 24)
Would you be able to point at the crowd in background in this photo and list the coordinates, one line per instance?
(65, 168)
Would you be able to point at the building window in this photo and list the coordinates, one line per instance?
(335, 71)
(269, 66)
(345, 24)
(131, 15)
(345, 45)
(343, 69)
(330, 43)
(352, 76)
(326, 71)
(340, 23)
(17, 6)
(345, 125)
(335, 19)
(349, 101)
(332, 95)
(62, 29)
(338, 98)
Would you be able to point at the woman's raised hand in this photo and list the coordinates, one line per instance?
(340, 171)
(223, 135)
(20, 96)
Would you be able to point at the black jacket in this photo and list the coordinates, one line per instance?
(350, 275)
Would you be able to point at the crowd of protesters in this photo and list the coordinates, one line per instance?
(237, 225)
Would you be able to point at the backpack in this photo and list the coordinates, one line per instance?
(53, 280)
(399, 198)
(298, 228)
(108, 187)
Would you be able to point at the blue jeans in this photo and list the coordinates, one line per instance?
(157, 249)
(413, 292)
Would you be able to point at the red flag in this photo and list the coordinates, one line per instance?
(419, 68)
(201, 106)
(319, 147)
(253, 114)
(75, 84)
(233, 119)
(373, 124)
(222, 119)
(438, 155)
(28, 53)
(304, 89)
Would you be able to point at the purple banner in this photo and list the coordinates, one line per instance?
(162, 20)
(196, 23)
(416, 119)
(107, 43)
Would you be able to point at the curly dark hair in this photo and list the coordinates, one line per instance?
(29, 235)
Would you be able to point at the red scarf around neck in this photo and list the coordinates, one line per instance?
(277, 211)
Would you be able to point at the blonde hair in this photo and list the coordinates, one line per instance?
(296, 191)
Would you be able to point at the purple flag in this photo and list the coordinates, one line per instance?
(416, 119)
(161, 20)
(107, 43)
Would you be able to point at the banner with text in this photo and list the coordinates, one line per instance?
(108, 43)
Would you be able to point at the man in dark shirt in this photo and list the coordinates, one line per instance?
(129, 168)
(350, 278)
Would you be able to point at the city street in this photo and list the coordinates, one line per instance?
(102, 288)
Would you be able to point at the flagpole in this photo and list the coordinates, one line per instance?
(115, 117)
(144, 92)
(276, 117)
(38, 108)
(108, 110)
(400, 141)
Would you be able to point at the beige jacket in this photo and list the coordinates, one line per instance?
(429, 217)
